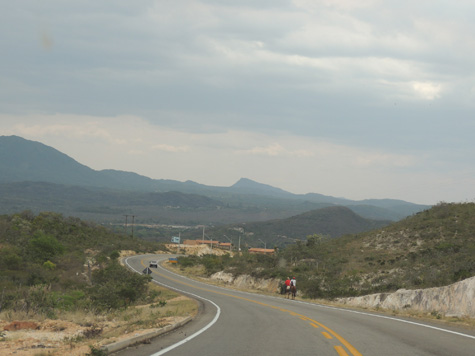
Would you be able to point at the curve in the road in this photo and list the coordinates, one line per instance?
(171, 347)
(328, 333)
(348, 311)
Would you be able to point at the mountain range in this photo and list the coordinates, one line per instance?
(38, 177)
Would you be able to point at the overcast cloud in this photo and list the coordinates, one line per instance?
(358, 99)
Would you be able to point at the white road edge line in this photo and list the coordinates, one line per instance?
(345, 310)
(341, 309)
(396, 319)
(215, 319)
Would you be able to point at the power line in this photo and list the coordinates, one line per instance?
(133, 223)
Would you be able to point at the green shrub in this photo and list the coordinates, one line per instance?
(188, 261)
(42, 264)
(10, 258)
(212, 263)
(49, 265)
(116, 287)
(96, 352)
(45, 247)
(114, 255)
(71, 300)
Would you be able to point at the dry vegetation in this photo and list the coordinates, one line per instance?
(63, 275)
(74, 333)
(433, 248)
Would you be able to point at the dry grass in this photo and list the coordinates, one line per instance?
(197, 272)
(72, 332)
(432, 317)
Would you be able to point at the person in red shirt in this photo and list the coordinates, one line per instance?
(287, 286)
(287, 282)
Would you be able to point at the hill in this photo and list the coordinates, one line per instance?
(62, 278)
(44, 263)
(23, 160)
(333, 222)
(327, 222)
(433, 248)
(38, 195)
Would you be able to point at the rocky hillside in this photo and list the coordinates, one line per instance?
(332, 221)
(455, 300)
(433, 248)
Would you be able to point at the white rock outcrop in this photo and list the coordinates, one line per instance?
(247, 282)
(457, 299)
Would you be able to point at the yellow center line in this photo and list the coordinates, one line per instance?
(327, 335)
(341, 351)
(314, 323)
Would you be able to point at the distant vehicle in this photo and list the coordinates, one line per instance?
(153, 264)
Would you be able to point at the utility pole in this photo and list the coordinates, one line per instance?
(211, 239)
(230, 242)
(125, 227)
(265, 244)
(133, 223)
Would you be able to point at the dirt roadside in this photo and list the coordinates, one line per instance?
(74, 334)
(61, 337)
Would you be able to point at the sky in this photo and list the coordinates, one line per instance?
(365, 99)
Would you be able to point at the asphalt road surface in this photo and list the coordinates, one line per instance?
(238, 323)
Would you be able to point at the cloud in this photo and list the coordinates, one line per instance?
(275, 149)
(428, 91)
(272, 150)
(67, 126)
(338, 4)
(46, 41)
(170, 148)
(346, 88)
(134, 134)
(381, 160)
(296, 163)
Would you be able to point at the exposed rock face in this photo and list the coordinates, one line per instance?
(197, 250)
(248, 282)
(457, 299)
(21, 325)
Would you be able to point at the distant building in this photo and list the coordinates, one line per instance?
(201, 242)
(225, 245)
(212, 243)
(262, 251)
(190, 242)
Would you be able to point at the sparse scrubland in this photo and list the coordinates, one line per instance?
(55, 268)
(432, 248)
(51, 263)
(63, 269)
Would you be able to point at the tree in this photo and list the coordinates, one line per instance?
(45, 247)
(115, 287)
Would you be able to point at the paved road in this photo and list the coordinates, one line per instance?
(238, 323)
